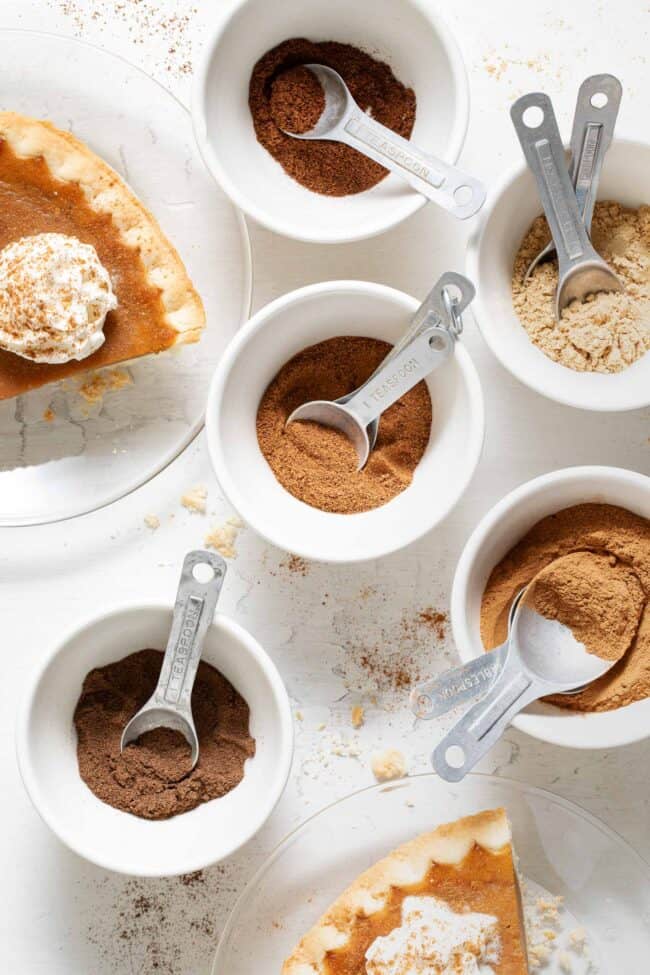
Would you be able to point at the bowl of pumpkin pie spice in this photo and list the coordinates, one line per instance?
(583, 533)
(597, 357)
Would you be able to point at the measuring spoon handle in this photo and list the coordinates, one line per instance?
(193, 612)
(591, 137)
(455, 191)
(482, 726)
(457, 686)
(544, 152)
(400, 373)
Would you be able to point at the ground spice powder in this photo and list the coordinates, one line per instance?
(591, 534)
(280, 94)
(151, 777)
(318, 465)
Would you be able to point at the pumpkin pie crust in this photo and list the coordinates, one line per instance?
(469, 864)
(50, 182)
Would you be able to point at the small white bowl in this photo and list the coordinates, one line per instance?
(46, 745)
(504, 525)
(404, 33)
(254, 357)
(511, 208)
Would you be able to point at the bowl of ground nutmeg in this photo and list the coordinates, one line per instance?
(598, 356)
(144, 811)
(298, 485)
(401, 64)
(584, 533)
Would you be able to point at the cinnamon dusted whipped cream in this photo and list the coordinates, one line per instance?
(434, 940)
(54, 297)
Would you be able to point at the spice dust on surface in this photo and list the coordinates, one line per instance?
(329, 168)
(151, 778)
(318, 465)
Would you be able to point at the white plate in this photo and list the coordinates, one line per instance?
(90, 455)
(562, 849)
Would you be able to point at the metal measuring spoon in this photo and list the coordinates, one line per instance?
(170, 705)
(581, 270)
(423, 348)
(343, 121)
(591, 137)
(543, 657)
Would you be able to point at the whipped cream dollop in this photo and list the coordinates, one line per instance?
(434, 940)
(54, 297)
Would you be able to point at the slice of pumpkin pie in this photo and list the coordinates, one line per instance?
(446, 903)
(87, 277)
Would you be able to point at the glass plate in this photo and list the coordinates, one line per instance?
(61, 455)
(562, 851)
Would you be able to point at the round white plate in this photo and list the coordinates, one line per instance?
(90, 454)
(562, 851)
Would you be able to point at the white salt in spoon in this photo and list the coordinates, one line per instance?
(170, 705)
(343, 121)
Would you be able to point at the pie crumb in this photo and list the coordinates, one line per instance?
(564, 961)
(152, 522)
(49, 415)
(195, 499)
(357, 716)
(222, 537)
(94, 388)
(388, 765)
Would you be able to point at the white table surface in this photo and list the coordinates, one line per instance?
(62, 915)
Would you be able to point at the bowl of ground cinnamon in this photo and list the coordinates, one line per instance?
(298, 485)
(401, 64)
(581, 537)
(597, 357)
(144, 811)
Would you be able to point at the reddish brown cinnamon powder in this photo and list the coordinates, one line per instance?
(150, 777)
(319, 465)
(279, 96)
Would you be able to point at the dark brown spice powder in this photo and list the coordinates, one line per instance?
(150, 777)
(324, 167)
(318, 465)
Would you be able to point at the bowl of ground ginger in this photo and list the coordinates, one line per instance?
(597, 357)
(584, 532)
(298, 485)
(403, 67)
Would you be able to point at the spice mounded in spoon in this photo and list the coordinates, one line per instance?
(342, 120)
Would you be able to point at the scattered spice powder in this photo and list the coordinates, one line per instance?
(318, 465)
(606, 532)
(610, 330)
(151, 777)
(279, 93)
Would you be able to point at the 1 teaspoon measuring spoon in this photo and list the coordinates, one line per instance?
(543, 657)
(170, 705)
(343, 121)
(599, 99)
(422, 349)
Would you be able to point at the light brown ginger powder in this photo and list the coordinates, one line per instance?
(615, 616)
(610, 330)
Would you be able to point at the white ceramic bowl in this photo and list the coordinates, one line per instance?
(500, 529)
(511, 207)
(254, 357)
(405, 33)
(46, 745)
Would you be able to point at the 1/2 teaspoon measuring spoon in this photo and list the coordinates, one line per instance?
(170, 705)
(543, 657)
(581, 270)
(594, 121)
(423, 348)
(342, 120)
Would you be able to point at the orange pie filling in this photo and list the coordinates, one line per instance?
(484, 883)
(33, 201)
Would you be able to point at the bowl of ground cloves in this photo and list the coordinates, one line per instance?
(298, 484)
(145, 810)
(597, 355)
(403, 67)
(583, 533)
